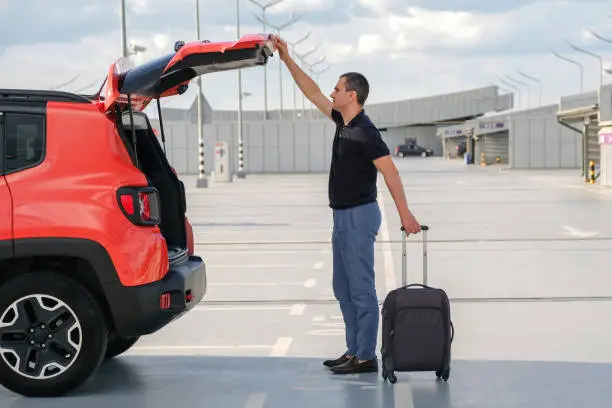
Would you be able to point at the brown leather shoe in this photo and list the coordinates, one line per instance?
(352, 366)
(333, 363)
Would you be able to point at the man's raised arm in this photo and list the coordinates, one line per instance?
(306, 84)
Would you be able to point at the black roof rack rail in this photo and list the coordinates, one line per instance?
(40, 96)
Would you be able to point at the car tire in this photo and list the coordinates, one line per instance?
(118, 345)
(56, 319)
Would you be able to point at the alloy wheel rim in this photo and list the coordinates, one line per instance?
(40, 336)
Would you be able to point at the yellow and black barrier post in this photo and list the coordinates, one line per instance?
(482, 159)
(592, 172)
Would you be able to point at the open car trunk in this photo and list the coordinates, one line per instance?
(128, 90)
(148, 155)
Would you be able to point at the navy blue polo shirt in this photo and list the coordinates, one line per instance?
(352, 176)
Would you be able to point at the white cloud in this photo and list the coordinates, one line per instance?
(162, 41)
(295, 5)
(377, 6)
(138, 6)
(369, 43)
(421, 29)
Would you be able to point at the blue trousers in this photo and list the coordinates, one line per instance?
(353, 238)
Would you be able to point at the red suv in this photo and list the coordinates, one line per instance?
(95, 246)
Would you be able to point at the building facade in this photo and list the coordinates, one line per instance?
(299, 141)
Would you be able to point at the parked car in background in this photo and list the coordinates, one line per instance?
(412, 149)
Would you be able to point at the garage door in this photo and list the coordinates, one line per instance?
(450, 146)
(495, 145)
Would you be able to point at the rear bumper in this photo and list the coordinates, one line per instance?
(137, 311)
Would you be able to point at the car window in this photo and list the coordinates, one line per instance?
(24, 137)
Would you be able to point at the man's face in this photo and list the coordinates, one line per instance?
(340, 97)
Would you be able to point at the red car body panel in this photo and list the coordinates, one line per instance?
(58, 199)
(6, 211)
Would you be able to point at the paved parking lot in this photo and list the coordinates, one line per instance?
(522, 255)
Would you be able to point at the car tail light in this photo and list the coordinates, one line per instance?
(140, 205)
(127, 203)
(165, 300)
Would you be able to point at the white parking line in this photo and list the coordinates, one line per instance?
(251, 266)
(402, 394)
(256, 400)
(310, 283)
(292, 231)
(281, 347)
(297, 310)
(569, 230)
(166, 349)
(319, 265)
(205, 308)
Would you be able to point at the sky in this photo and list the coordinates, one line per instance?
(406, 48)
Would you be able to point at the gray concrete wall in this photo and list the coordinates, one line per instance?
(578, 100)
(289, 143)
(393, 137)
(271, 147)
(439, 107)
(605, 104)
(425, 136)
(537, 141)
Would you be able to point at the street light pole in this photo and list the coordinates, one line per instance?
(241, 173)
(534, 80)
(202, 180)
(592, 55)
(124, 49)
(74, 78)
(263, 8)
(317, 75)
(509, 78)
(599, 37)
(301, 58)
(518, 90)
(293, 45)
(575, 63)
(307, 67)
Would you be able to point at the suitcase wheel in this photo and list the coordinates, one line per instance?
(444, 374)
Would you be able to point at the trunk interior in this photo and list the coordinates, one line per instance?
(149, 157)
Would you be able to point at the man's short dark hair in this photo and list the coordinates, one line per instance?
(355, 81)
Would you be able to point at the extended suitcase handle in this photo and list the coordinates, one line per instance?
(424, 229)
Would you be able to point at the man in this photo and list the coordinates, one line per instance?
(358, 154)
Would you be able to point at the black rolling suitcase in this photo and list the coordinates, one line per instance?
(417, 330)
